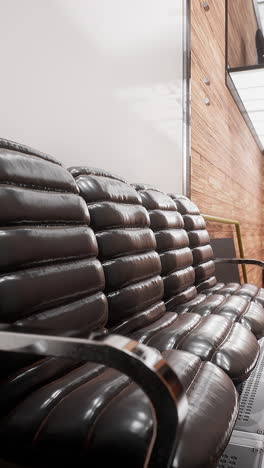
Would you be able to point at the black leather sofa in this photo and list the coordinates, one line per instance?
(80, 265)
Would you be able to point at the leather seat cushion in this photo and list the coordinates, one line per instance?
(213, 338)
(95, 415)
(247, 300)
(236, 308)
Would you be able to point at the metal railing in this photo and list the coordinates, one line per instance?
(236, 223)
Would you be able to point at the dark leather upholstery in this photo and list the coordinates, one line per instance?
(171, 222)
(48, 251)
(58, 413)
(126, 249)
(204, 269)
(199, 242)
(172, 246)
(83, 418)
(116, 210)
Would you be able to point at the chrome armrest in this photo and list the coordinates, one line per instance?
(144, 365)
(240, 261)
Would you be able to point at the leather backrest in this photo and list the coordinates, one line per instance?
(51, 280)
(127, 246)
(172, 245)
(203, 257)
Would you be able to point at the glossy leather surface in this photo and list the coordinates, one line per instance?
(127, 249)
(213, 338)
(172, 245)
(234, 308)
(48, 250)
(199, 241)
(204, 267)
(176, 260)
(103, 418)
(58, 413)
(133, 283)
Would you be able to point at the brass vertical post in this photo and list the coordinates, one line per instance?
(216, 219)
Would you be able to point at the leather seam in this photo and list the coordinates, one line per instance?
(46, 263)
(121, 227)
(38, 188)
(41, 222)
(187, 332)
(101, 369)
(52, 264)
(49, 226)
(117, 202)
(195, 375)
(26, 151)
(223, 341)
(47, 311)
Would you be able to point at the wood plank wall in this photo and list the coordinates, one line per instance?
(226, 165)
(242, 27)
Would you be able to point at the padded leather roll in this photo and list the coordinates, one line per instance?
(76, 425)
(47, 287)
(124, 271)
(127, 247)
(231, 347)
(33, 171)
(204, 271)
(172, 245)
(178, 281)
(76, 318)
(26, 246)
(133, 299)
(175, 260)
(113, 215)
(202, 254)
(171, 239)
(50, 279)
(193, 222)
(119, 242)
(198, 238)
(165, 220)
(248, 290)
(96, 188)
(41, 207)
(185, 205)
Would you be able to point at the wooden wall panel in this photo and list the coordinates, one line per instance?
(227, 165)
(242, 27)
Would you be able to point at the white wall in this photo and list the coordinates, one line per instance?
(96, 82)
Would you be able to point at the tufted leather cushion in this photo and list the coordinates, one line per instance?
(215, 338)
(51, 281)
(116, 209)
(56, 412)
(101, 418)
(246, 290)
(205, 270)
(199, 242)
(126, 249)
(172, 246)
(166, 220)
(50, 277)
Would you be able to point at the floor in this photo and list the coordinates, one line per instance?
(246, 447)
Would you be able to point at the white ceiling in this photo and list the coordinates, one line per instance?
(250, 87)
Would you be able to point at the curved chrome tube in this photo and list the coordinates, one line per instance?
(144, 365)
(240, 261)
